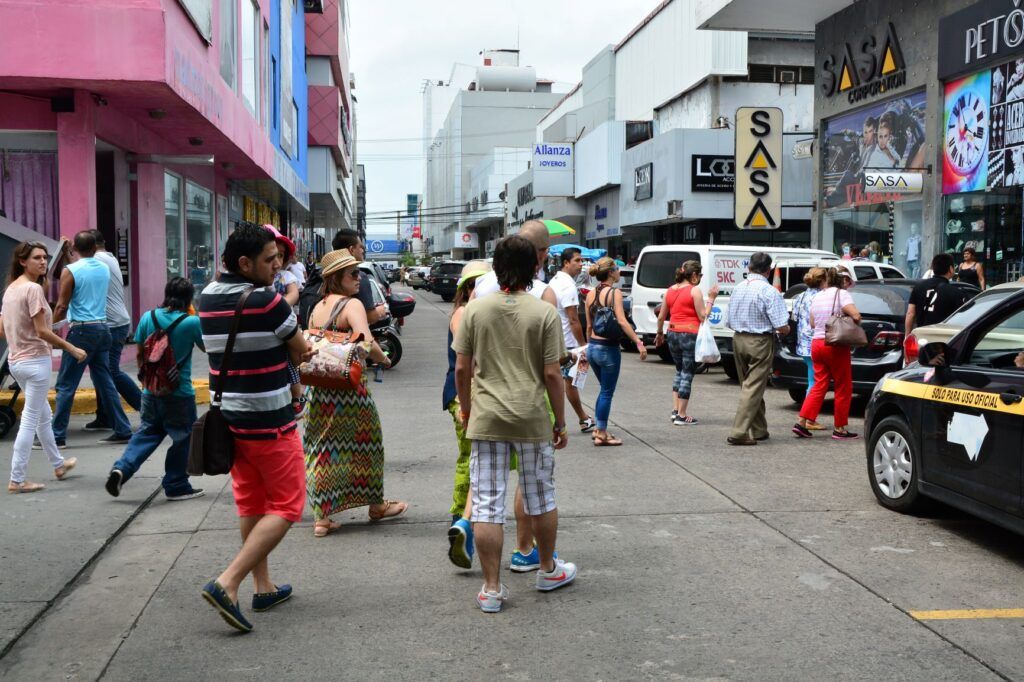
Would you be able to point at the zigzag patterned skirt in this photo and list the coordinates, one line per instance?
(344, 450)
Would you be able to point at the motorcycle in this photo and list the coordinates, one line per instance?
(388, 330)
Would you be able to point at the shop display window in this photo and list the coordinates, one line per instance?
(887, 232)
(990, 222)
(199, 234)
(172, 223)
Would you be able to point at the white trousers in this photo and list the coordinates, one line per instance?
(33, 375)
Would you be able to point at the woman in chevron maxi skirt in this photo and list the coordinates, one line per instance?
(343, 442)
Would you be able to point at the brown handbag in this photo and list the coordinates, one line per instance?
(211, 450)
(843, 330)
(337, 363)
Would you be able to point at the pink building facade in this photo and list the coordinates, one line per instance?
(150, 120)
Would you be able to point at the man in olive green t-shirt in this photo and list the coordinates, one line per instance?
(508, 347)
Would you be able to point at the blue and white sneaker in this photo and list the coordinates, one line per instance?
(491, 602)
(460, 543)
(563, 574)
(524, 563)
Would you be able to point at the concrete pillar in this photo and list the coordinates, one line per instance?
(149, 237)
(76, 166)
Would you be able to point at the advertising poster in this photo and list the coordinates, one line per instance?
(1006, 146)
(883, 137)
(966, 130)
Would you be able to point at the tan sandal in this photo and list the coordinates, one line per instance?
(62, 471)
(606, 441)
(322, 530)
(384, 515)
(24, 487)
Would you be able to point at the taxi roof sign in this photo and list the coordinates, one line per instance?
(758, 194)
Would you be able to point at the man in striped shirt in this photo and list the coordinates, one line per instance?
(268, 476)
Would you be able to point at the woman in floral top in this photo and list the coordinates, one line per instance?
(815, 281)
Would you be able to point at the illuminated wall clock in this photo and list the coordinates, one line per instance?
(967, 130)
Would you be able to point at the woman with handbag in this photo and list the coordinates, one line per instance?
(815, 279)
(343, 442)
(685, 310)
(836, 323)
(606, 325)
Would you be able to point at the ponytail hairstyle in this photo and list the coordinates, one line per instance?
(838, 277)
(814, 277)
(688, 271)
(603, 269)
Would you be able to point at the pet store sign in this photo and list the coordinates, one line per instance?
(875, 67)
(979, 35)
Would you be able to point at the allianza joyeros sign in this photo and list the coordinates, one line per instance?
(980, 35)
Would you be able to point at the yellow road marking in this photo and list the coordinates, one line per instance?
(967, 614)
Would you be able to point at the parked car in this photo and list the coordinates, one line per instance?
(378, 273)
(444, 278)
(969, 312)
(417, 277)
(883, 307)
(951, 427)
(790, 271)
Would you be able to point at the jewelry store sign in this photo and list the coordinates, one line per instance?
(982, 34)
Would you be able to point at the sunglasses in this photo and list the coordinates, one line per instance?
(354, 274)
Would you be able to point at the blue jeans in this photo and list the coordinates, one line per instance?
(810, 374)
(173, 416)
(605, 361)
(94, 339)
(126, 386)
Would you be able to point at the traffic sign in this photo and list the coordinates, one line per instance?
(758, 196)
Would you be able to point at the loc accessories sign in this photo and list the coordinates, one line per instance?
(758, 195)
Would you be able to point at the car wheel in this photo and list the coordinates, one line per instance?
(893, 463)
(798, 393)
(729, 367)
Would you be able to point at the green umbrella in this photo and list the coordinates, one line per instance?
(557, 229)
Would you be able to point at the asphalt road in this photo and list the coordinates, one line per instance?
(697, 560)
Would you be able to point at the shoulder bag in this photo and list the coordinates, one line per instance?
(211, 450)
(843, 330)
(602, 315)
(338, 362)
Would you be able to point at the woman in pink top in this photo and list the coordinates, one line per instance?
(684, 307)
(27, 319)
(832, 364)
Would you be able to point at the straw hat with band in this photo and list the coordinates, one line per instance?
(288, 244)
(337, 260)
(472, 270)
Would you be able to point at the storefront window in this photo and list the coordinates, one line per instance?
(228, 33)
(199, 232)
(250, 53)
(172, 221)
(989, 222)
(884, 233)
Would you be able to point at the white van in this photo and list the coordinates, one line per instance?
(722, 265)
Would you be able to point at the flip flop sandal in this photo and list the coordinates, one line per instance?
(607, 441)
(383, 515)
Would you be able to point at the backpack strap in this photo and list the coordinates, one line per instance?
(152, 314)
(173, 324)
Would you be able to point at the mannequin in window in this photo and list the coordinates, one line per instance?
(912, 252)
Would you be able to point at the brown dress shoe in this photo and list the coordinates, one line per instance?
(741, 441)
(24, 487)
(62, 471)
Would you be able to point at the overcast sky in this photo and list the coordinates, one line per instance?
(395, 44)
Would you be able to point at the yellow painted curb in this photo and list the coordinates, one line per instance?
(85, 398)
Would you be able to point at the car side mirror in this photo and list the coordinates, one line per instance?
(935, 355)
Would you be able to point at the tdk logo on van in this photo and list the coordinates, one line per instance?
(551, 155)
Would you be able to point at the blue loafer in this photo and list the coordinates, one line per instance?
(268, 600)
(228, 610)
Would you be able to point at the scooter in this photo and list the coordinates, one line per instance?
(387, 331)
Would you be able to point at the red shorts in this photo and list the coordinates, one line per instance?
(269, 477)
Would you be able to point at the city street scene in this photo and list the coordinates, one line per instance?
(663, 339)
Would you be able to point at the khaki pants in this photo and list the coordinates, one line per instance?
(753, 354)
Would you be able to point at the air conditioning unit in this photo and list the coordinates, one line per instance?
(675, 208)
(787, 76)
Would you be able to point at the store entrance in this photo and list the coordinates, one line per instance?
(990, 223)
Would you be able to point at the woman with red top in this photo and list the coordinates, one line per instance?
(685, 309)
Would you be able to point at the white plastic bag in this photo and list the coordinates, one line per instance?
(706, 350)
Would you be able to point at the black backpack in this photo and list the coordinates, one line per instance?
(310, 296)
(602, 316)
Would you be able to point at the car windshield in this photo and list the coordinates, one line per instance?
(978, 306)
(657, 270)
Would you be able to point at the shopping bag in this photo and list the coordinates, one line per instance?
(706, 350)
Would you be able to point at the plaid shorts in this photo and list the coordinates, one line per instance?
(488, 474)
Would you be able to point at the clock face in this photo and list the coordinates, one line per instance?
(967, 132)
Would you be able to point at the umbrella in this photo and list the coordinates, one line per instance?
(557, 229)
(557, 249)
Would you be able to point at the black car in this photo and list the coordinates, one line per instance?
(444, 278)
(883, 308)
(951, 427)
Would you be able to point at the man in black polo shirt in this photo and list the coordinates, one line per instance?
(349, 239)
(936, 298)
(268, 477)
